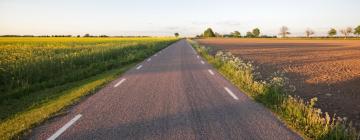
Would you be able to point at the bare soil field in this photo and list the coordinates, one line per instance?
(326, 69)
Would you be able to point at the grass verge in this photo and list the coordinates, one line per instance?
(274, 94)
(13, 127)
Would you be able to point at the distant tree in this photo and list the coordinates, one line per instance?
(267, 36)
(218, 34)
(78, 36)
(332, 32)
(87, 35)
(177, 34)
(357, 30)
(209, 33)
(11, 36)
(284, 31)
(346, 32)
(309, 32)
(249, 34)
(236, 34)
(256, 32)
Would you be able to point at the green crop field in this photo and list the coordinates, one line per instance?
(41, 76)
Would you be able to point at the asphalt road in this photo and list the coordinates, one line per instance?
(172, 95)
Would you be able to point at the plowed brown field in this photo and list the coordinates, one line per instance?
(327, 69)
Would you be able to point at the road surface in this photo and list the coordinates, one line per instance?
(172, 95)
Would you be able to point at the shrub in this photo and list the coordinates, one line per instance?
(209, 33)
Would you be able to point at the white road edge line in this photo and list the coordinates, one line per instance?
(149, 59)
(66, 126)
(139, 67)
(121, 81)
(198, 57)
(155, 55)
(211, 72)
(202, 62)
(231, 93)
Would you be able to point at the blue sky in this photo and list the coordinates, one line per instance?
(164, 17)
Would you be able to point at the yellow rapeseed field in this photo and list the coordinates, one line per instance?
(39, 76)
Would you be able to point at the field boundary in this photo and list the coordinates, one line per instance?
(298, 114)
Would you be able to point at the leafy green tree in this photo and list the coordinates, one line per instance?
(249, 34)
(177, 34)
(236, 34)
(256, 32)
(332, 32)
(357, 30)
(209, 33)
(87, 35)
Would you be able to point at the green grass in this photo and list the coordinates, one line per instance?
(32, 64)
(273, 93)
(41, 76)
(60, 98)
(29, 65)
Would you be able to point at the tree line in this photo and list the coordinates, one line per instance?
(255, 33)
(346, 32)
(283, 32)
(86, 35)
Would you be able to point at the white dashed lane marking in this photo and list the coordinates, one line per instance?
(211, 72)
(231, 93)
(139, 67)
(66, 126)
(118, 83)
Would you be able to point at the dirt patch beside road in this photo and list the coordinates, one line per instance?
(327, 69)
